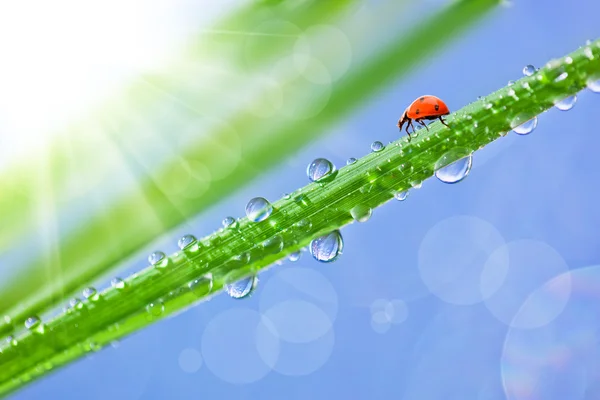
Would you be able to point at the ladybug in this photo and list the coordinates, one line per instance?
(423, 108)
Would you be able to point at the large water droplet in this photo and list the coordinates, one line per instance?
(319, 169)
(523, 126)
(327, 248)
(156, 308)
(202, 286)
(241, 288)
(528, 70)
(230, 222)
(449, 171)
(91, 294)
(377, 146)
(594, 85)
(258, 209)
(158, 259)
(401, 196)
(361, 213)
(350, 161)
(567, 103)
(34, 324)
(117, 283)
(188, 242)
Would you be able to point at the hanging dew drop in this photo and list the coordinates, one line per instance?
(401, 196)
(567, 103)
(295, 256)
(361, 213)
(449, 171)
(230, 223)
(523, 125)
(319, 169)
(242, 288)
(350, 161)
(117, 283)
(91, 294)
(377, 146)
(158, 259)
(528, 70)
(327, 248)
(258, 209)
(417, 185)
(188, 242)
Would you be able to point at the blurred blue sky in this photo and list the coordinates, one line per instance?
(529, 204)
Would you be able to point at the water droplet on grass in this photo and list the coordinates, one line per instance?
(528, 70)
(377, 146)
(202, 286)
(401, 196)
(91, 294)
(456, 170)
(273, 245)
(188, 242)
(361, 213)
(594, 85)
(156, 308)
(158, 259)
(561, 77)
(258, 209)
(319, 169)
(567, 103)
(229, 223)
(327, 248)
(350, 161)
(242, 288)
(33, 323)
(117, 283)
(524, 126)
(75, 303)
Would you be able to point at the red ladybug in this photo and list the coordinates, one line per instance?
(423, 108)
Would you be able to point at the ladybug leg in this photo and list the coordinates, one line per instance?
(443, 122)
(420, 121)
(413, 128)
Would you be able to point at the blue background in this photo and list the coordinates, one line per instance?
(540, 188)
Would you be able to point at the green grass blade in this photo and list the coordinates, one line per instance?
(149, 210)
(310, 212)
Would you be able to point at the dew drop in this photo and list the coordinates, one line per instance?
(567, 103)
(258, 209)
(561, 77)
(188, 242)
(287, 196)
(361, 213)
(327, 248)
(273, 245)
(568, 60)
(377, 146)
(488, 106)
(75, 303)
(524, 126)
(417, 185)
(117, 283)
(510, 83)
(91, 294)
(242, 288)
(350, 161)
(594, 85)
(230, 222)
(588, 53)
(32, 322)
(401, 196)
(319, 169)
(156, 308)
(304, 225)
(457, 170)
(528, 70)
(12, 341)
(295, 256)
(158, 259)
(202, 286)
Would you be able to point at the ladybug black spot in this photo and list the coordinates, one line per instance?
(437, 107)
(417, 111)
(422, 99)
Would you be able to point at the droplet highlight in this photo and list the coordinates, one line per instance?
(258, 209)
(327, 248)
